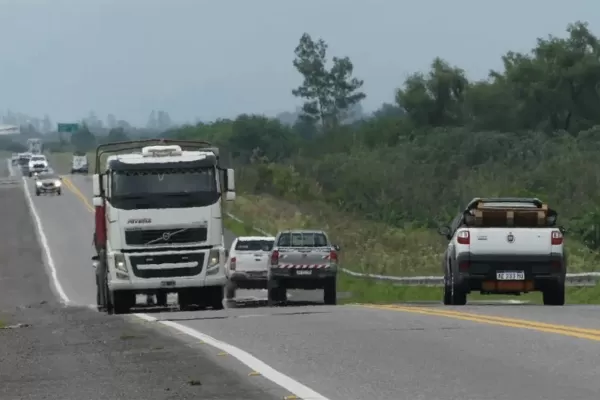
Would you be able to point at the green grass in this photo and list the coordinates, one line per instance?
(362, 290)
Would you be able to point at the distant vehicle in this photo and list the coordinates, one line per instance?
(35, 146)
(47, 183)
(302, 259)
(14, 158)
(504, 246)
(247, 264)
(38, 163)
(24, 163)
(79, 164)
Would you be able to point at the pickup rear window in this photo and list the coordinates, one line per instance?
(302, 239)
(254, 245)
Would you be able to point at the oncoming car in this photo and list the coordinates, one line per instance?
(47, 183)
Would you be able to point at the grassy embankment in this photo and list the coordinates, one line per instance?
(378, 248)
(373, 247)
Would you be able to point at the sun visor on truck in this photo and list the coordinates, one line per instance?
(117, 165)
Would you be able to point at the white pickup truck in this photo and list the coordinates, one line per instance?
(247, 266)
(504, 246)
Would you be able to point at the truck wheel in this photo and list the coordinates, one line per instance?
(37, 192)
(230, 289)
(123, 301)
(454, 295)
(330, 292)
(216, 297)
(59, 192)
(554, 294)
(161, 299)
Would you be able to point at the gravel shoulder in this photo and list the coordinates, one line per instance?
(54, 352)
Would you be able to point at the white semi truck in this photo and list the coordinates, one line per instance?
(158, 223)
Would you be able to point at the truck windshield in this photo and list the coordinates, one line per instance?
(164, 188)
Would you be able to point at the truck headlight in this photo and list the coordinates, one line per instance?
(57, 183)
(120, 262)
(38, 183)
(214, 262)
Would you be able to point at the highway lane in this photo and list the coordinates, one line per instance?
(354, 352)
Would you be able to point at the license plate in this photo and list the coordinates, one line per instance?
(303, 272)
(167, 283)
(510, 276)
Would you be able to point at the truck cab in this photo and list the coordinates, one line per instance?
(159, 226)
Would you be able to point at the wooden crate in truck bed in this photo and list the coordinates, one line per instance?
(485, 216)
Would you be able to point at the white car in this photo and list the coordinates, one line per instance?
(37, 163)
(247, 264)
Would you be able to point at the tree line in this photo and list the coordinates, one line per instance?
(531, 129)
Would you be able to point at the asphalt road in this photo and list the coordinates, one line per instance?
(48, 351)
(475, 352)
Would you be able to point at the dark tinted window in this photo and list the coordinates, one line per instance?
(254, 245)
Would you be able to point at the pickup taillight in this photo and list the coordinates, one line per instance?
(556, 238)
(463, 237)
(333, 257)
(275, 257)
(232, 263)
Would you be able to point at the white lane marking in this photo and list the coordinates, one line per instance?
(289, 384)
(49, 260)
(254, 363)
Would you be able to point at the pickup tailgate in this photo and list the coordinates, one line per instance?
(304, 257)
(249, 260)
(510, 241)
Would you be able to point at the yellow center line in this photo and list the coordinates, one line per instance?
(71, 186)
(565, 330)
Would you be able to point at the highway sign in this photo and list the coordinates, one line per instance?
(70, 128)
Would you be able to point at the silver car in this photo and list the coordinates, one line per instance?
(47, 183)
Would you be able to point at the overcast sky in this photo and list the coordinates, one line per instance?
(207, 59)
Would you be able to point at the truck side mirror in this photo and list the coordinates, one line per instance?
(229, 180)
(96, 184)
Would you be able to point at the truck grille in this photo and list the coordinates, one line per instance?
(38, 166)
(165, 236)
(170, 270)
(47, 184)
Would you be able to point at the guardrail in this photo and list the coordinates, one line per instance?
(578, 279)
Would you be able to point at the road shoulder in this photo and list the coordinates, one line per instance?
(54, 352)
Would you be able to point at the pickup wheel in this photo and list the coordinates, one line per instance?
(453, 294)
(37, 192)
(276, 295)
(554, 294)
(230, 289)
(330, 292)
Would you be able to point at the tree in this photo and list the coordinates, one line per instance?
(111, 121)
(117, 135)
(329, 93)
(83, 139)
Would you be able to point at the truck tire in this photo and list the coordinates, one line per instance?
(330, 292)
(161, 299)
(554, 294)
(37, 192)
(123, 301)
(216, 297)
